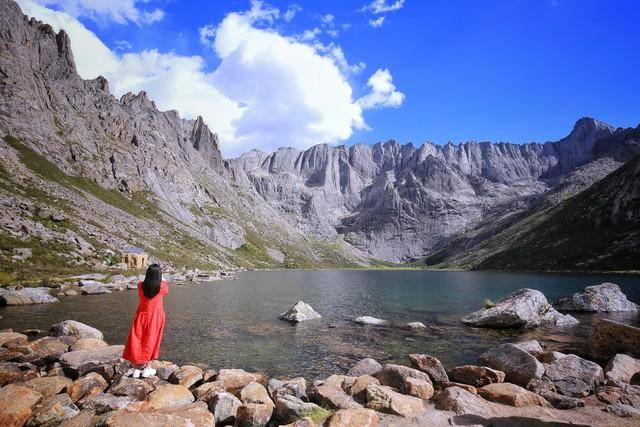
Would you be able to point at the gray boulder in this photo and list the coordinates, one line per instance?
(26, 296)
(430, 365)
(525, 308)
(574, 376)
(81, 362)
(369, 320)
(519, 366)
(606, 297)
(76, 329)
(621, 369)
(366, 366)
(299, 312)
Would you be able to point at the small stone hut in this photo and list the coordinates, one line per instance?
(135, 257)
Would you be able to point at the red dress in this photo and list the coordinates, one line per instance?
(145, 335)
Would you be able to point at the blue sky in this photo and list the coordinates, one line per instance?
(462, 70)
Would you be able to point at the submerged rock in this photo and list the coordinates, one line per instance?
(525, 308)
(299, 312)
(611, 337)
(26, 296)
(606, 297)
(368, 320)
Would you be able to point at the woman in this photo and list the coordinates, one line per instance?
(146, 331)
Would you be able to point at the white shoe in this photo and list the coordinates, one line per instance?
(148, 372)
(136, 373)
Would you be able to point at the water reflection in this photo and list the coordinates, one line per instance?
(234, 323)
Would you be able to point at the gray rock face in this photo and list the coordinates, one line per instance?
(519, 366)
(606, 297)
(299, 312)
(574, 376)
(76, 329)
(525, 308)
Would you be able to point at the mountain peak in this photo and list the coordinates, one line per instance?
(589, 125)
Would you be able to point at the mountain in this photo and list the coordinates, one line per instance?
(83, 175)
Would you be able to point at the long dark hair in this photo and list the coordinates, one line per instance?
(152, 280)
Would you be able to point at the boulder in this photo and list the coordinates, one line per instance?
(6, 337)
(366, 366)
(167, 395)
(206, 391)
(197, 413)
(89, 287)
(511, 394)
(332, 397)
(519, 366)
(131, 387)
(164, 369)
(88, 344)
(368, 320)
(49, 386)
(102, 403)
(129, 418)
(606, 297)
(224, 407)
(559, 401)
(429, 365)
(550, 356)
(255, 393)
(416, 325)
(53, 411)
(418, 387)
(186, 375)
(394, 376)
(611, 337)
(87, 386)
(359, 386)
(81, 362)
(525, 308)
(532, 347)
(477, 376)
(12, 372)
(83, 419)
(290, 408)
(16, 404)
(384, 399)
(44, 351)
(209, 375)
(621, 369)
(234, 380)
(296, 387)
(253, 415)
(354, 417)
(461, 402)
(339, 381)
(76, 329)
(574, 376)
(299, 312)
(26, 296)
(471, 389)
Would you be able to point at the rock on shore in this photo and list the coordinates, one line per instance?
(26, 296)
(525, 308)
(606, 297)
(612, 337)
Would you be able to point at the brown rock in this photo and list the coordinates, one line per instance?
(384, 399)
(102, 403)
(224, 407)
(126, 418)
(6, 337)
(49, 386)
(88, 344)
(84, 361)
(418, 388)
(44, 351)
(366, 366)
(164, 369)
(186, 375)
(332, 397)
(621, 369)
(169, 395)
(360, 385)
(86, 387)
(338, 381)
(611, 338)
(16, 404)
(83, 419)
(53, 411)
(207, 390)
(198, 413)
(429, 365)
(471, 389)
(209, 375)
(135, 388)
(395, 375)
(476, 376)
(550, 356)
(234, 380)
(511, 394)
(461, 401)
(11, 372)
(255, 393)
(294, 387)
(253, 415)
(355, 417)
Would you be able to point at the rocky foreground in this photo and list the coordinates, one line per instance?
(71, 377)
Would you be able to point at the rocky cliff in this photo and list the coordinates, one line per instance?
(83, 174)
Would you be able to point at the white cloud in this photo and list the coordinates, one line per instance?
(291, 12)
(383, 92)
(269, 90)
(120, 11)
(122, 45)
(375, 23)
(327, 19)
(381, 6)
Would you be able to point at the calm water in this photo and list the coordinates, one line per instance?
(234, 323)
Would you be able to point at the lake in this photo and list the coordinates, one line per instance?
(234, 323)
